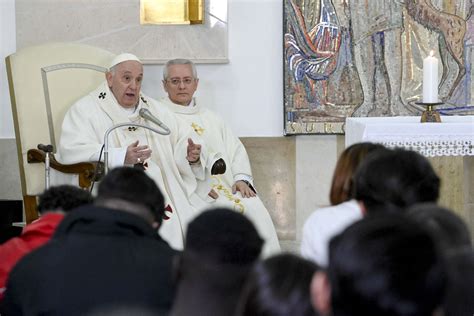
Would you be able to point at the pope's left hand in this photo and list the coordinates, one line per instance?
(243, 188)
(194, 151)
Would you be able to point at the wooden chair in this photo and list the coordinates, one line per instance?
(44, 82)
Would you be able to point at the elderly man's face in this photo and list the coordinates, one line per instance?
(126, 82)
(180, 84)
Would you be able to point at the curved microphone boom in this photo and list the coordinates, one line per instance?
(147, 115)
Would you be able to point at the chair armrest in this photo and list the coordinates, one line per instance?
(87, 171)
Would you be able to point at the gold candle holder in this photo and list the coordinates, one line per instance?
(430, 115)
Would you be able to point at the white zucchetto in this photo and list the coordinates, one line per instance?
(123, 57)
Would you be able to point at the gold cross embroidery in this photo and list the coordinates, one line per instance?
(198, 129)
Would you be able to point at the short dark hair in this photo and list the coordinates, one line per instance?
(133, 185)
(278, 286)
(444, 225)
(63, 198)
(391, 180)
(385, 265)
(223, 236)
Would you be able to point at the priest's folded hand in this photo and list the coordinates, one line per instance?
(243, 188)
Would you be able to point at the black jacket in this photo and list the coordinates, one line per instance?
(99, 259)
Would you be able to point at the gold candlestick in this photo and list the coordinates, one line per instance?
(430, 115)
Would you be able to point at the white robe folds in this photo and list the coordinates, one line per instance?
(82, 138)
(221, 142)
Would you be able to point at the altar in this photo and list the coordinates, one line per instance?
(449, 146)
(454, 136)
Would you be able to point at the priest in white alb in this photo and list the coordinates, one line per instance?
(234, 188)
(166, 158)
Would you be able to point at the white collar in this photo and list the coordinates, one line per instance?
(190, 109)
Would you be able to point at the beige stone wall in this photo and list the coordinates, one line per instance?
(468, 176)
(457, 186)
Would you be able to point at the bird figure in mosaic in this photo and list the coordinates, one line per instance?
(312, 55)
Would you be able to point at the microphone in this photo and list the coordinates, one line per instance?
(147, 115)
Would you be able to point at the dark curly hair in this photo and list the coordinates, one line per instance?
(224, 236)
(63, 198)
(135, 186)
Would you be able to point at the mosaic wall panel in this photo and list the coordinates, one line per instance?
(364, 58)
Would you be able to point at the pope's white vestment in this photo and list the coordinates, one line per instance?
(82, 138)
(221, 142)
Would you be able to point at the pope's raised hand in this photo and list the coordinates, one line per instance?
(194, 151)
(137, 154)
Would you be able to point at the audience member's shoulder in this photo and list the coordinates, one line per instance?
(348, 209)
(325, 223)
(29, 265)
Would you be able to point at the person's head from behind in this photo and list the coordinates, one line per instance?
(180, 80)
(392, 180)
(220, 248)
(445, 226)
(382, 265)
(63, 198)
(124, 79)
(131, 190)
(349, 160)
(223, 236)
(278, 286)
(454, 240)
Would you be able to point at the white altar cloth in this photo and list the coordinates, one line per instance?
(454, 136)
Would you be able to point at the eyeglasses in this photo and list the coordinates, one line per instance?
(177, 81)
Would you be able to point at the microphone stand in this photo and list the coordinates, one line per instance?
(47, 149)
(47, 170)
(106, 139)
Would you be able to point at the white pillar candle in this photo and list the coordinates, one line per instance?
(430, 79)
